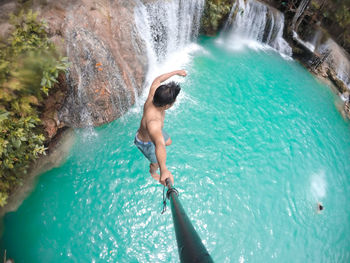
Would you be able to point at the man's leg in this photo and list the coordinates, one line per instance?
(153, 167)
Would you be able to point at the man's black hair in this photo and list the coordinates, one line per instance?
(166, 94)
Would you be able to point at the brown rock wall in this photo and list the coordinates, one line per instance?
(108, 58)
(107, 55)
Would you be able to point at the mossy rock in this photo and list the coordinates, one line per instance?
(214, 15)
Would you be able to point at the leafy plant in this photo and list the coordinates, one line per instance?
(335, 16)
(215, 12)
(29, 68)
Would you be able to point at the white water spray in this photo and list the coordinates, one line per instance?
(167, 26)
(338, 60)
(318, 185)
(169, 29)
(254, 21)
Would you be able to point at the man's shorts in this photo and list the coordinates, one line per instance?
(148, 149)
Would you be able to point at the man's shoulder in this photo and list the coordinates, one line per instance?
(152, 117)
(153, 126)
(150, 111)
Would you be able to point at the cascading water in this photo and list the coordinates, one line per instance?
(167, 27)
(337, 59)
(315, 38)
(87, 83)
(306, 44)
(81, 112)
(325, 49)
(343, 72)
(252, 20)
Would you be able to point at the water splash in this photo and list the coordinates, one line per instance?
(252, 21)
(167, 26)
(318, 185)
(309, 45)
(169, 29)
(338, 60)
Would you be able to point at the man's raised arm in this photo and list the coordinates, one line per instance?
(158, 80)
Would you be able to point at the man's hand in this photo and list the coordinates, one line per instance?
(165, 175)
(158, 80)
(182, 73)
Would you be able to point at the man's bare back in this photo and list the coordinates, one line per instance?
(151, 139)
(150, 113)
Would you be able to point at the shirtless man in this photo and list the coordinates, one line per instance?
(150, 138)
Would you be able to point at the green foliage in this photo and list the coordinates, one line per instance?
(342, 15)
(335, 15)
(215, 13)
(29, 68)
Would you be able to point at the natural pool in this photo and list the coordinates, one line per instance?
(257, 142)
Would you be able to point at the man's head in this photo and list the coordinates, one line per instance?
(166, 94)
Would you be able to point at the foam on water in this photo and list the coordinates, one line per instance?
(181, 59)
(318, 185)
(239, 44)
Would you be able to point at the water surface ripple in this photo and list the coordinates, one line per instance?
(257, 142)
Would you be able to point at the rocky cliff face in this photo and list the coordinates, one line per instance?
(108, 58)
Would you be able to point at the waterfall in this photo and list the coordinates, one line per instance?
(315, 38)
(306, 44)
(94, 96)
(338, 60)
(168, 26)
(252, 20)
(343, 72)
(327, 51)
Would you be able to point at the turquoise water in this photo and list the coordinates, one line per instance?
(257, 142)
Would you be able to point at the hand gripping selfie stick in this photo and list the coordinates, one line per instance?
(191, 248)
